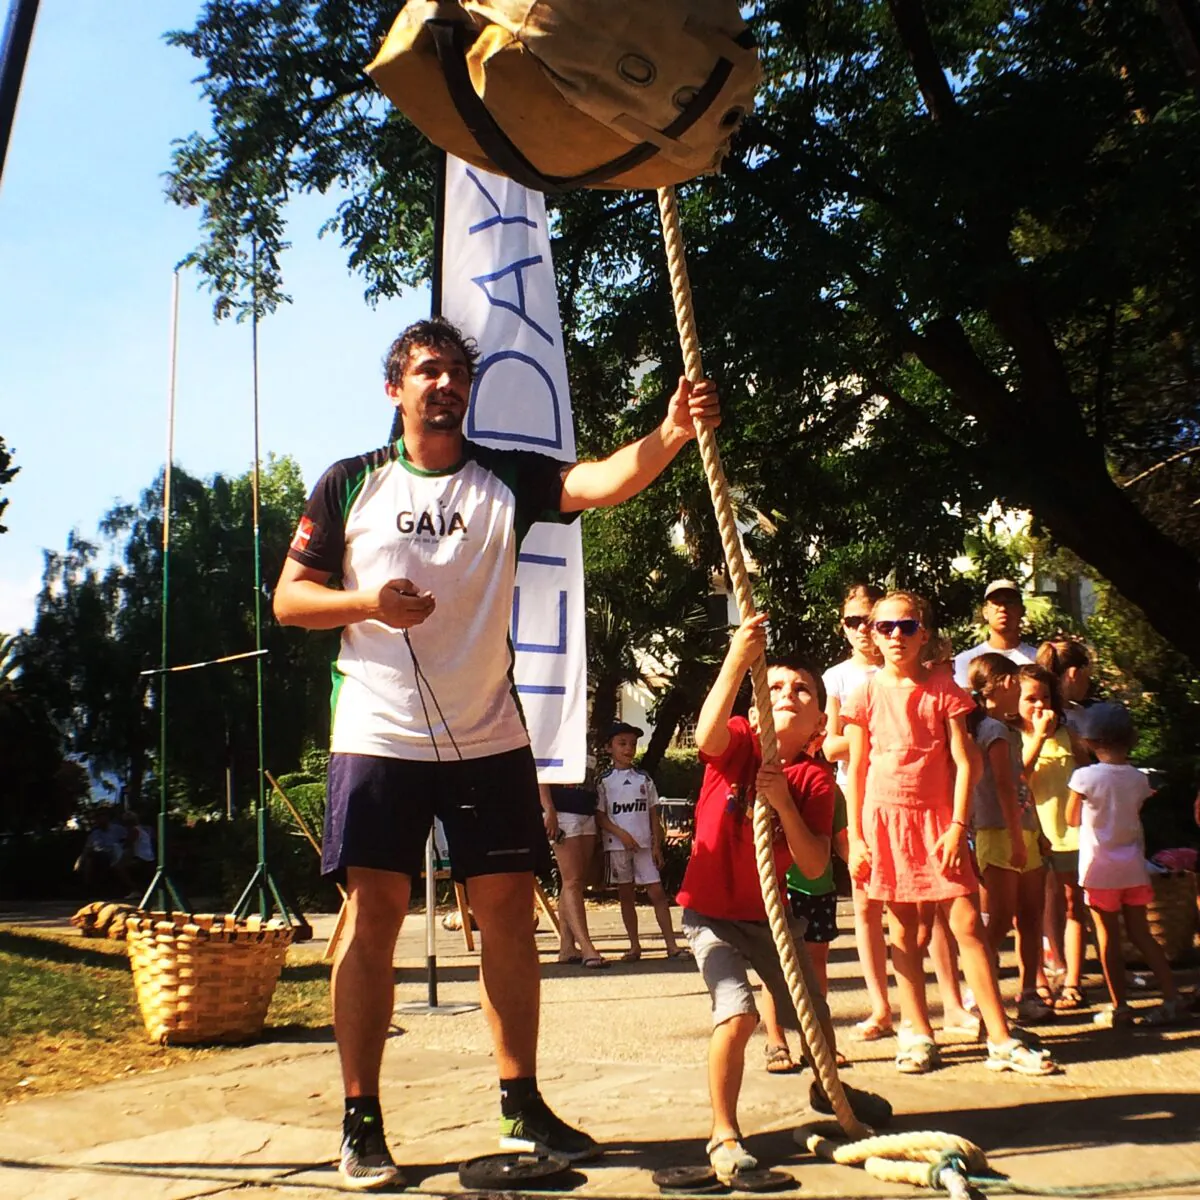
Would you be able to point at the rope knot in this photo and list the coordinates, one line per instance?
(954, 1160)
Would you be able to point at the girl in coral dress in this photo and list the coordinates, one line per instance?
(912, 765)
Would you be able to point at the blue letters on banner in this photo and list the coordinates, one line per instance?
(475, 429)
(499, 218)
(559, 647)
(514, 269)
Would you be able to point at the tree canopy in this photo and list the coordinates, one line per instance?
(952, 259)
(98, 628)
(7, 472)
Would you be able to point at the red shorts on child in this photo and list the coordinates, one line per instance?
(1112, 900)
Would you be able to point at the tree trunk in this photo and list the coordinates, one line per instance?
(1087, 512)
(670, 709)
(1040, 456)
(604, 704)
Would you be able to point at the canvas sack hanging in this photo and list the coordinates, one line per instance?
(571, 93)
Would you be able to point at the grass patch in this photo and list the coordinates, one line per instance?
(69, 1016)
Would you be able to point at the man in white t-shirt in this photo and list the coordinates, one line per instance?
(422, 536)
(1003, 609)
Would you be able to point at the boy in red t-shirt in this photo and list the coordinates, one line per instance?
(724, 917)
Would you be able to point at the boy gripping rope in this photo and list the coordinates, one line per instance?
(724, 917)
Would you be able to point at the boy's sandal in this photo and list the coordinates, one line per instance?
(595, 963)
(728, 1157)
(1070, 999)
(680, 952)
(1046, 994)
(631, 956)
(1016, 1055)
(918, 1055)
(779, 1060)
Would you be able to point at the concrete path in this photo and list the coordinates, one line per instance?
(622, 1054)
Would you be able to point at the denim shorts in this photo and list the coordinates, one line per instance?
(726, 950)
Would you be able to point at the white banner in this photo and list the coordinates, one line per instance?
(498, 287)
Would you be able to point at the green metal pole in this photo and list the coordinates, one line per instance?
(162, 891)
(260, 798)
(263, 883)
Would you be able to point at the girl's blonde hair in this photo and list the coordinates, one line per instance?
(1062, 652)
(917, 604)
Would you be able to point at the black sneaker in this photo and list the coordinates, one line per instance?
(538, 1130)
(869, 1108)
(366, 1161)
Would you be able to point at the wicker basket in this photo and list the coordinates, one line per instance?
(205, 978)
(1171, 916)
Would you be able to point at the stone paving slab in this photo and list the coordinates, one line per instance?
(623, 1053)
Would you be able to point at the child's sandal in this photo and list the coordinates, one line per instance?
(1070, 999)
(1111, 1016)
(918, 1055)
(1167, 1013)
(779, 1060)
(1031, 1008)
(1016, 1055)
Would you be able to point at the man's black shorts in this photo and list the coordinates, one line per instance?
(379, 812)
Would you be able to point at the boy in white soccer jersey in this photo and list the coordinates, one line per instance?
(626, 803)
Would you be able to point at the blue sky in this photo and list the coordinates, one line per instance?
(88, 243)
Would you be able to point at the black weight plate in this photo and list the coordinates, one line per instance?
(761, 1180)
(691, 1180)
(510, 1172)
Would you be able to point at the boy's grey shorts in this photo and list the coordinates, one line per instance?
(725, 950)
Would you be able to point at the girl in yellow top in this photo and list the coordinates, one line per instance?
(1049, 758)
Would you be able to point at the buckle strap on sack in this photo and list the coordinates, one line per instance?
(449, 42)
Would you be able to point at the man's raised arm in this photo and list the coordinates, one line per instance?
(627, 471)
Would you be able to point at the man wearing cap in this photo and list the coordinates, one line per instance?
(1003, 609)
(421, 538)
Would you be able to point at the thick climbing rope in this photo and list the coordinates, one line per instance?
(815, 1044)
(922, 1159)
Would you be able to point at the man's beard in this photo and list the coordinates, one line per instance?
(442, 420)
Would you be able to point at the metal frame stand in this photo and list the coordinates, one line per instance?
(431, 1004)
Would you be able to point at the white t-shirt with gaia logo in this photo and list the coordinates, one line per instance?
(456, 534)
